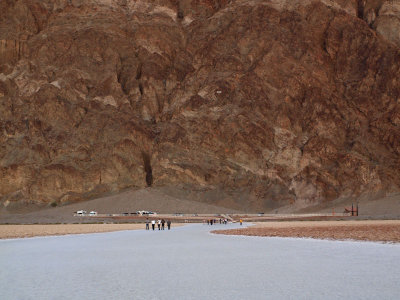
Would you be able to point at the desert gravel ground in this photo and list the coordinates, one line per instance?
(374, 230)
(23, 231)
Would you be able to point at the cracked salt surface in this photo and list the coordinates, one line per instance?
(190, 263)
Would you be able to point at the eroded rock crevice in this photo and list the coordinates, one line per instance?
(141, 90)
(360, 9)
(180, 11)
(147, 168)
(139, 71)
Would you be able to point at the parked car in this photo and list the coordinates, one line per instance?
(93, 213)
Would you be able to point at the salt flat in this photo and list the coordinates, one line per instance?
(190, 263)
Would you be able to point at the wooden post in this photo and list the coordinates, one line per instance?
(352, 209)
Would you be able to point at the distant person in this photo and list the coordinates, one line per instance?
(147, 224)
(208, 222)
(220, 221)
(159, 224)
(241, 221)
(211, 222)
(169, 224)
(153, 224)
(162, 224)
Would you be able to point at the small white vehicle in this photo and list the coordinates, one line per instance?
(93, 213)
(81, 212)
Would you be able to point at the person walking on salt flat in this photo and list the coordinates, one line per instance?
(153, 224)
(159, 224)
(147, 224)
(169, 224)
(162, 224)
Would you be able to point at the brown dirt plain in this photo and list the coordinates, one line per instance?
(24, 231)
(129, 201)
(16, 220)
(365, 230)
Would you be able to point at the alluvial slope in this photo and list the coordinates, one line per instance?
(254, 104)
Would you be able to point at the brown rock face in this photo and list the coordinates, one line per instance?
(248, 104)
(383, 16)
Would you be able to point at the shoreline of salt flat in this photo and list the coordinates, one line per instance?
(36, 230)
(387, 231)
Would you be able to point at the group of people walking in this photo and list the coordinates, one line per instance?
(214, 221)
(160, 224)
(221, 221)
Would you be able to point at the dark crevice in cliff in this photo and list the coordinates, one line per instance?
(147, 168)
(36, 21)
(141, 88)
(139, 76)
(360, 9)
(122, 82)
(139, 72)
(326, 36)
(324, 47)
(119, 76)
(180, 14)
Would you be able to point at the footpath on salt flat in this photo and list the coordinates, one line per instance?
(191, 263)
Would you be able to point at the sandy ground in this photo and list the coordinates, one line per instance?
(160, 201)
(23, 231)
(151, 199)
(373, 230)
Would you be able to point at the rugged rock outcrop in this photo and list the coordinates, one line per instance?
(383, 16)
(247, 104)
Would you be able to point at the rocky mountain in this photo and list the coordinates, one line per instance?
(246, 104)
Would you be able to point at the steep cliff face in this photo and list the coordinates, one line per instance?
(383, 16)
(253, 104)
